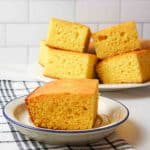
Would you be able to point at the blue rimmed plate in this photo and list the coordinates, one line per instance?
(16, 113)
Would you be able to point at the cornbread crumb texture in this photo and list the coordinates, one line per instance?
(64, 104)
(65, 64)
(116, 40)
(68, 36)
(44, 53)
(132, 67)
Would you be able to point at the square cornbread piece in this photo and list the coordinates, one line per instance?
(116, 40)
(64, 104)
(132, 67)
(70, 65)
(68, 36)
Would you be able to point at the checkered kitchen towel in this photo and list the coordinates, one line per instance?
(11, 139)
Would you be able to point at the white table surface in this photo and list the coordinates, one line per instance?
(136, 130)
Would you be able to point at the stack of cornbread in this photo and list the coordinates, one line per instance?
(118, 59)
(122, 60)
(62, 54)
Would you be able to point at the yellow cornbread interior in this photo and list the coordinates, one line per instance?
(116, 40)
(72, 107)
(43, 53)
(130, 67)
(71, 65)
(68, 36)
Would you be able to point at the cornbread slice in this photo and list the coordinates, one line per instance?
(70, 65)
(116, 40)
(64, 104)
(132, 67)
(68, 36)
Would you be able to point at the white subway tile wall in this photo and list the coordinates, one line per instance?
(138, 10)
(25, 34)
(97, 11)
(2, 34)
(42, 10)
(23, 23)
(13, 11)
(146, 30)
(33, 55)
(13, 55)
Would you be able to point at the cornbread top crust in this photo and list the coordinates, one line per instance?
(73, 86)
(125, 25)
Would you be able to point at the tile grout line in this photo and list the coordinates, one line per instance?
(94, 22)
(75, 1)
(27, 56)
(18, 46)
(28, 18)
(28, 10)
(120, 10)
(18, 23)
(5, 35)
(142, 29)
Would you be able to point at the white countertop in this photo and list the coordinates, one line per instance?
(136, 130)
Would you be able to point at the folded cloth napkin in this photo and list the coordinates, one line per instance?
(10, 138)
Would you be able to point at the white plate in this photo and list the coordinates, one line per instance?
(38, 72)
(16, 113)
(115, 87)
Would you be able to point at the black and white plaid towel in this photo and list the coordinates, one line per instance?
(11, 139)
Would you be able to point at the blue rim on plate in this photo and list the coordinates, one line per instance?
(66, 131)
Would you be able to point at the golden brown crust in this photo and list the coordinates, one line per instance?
(87, 41)
(91, 48)
(30, 94)
(27, 102)
(145, 44)
(66, 85)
